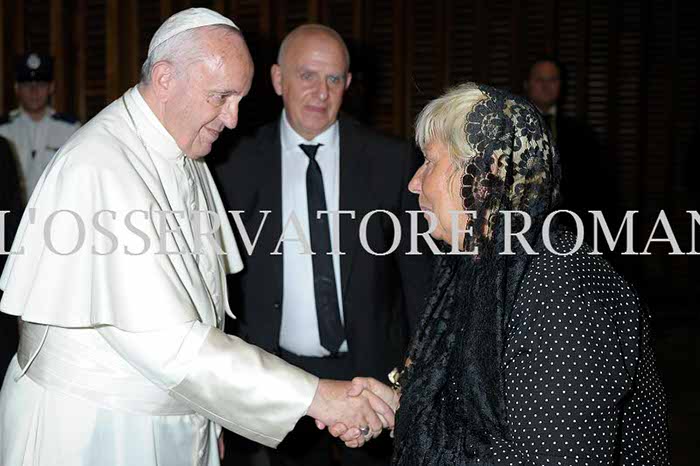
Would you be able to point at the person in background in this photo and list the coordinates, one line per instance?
(35, 130)
(333, 315)
(588, 180)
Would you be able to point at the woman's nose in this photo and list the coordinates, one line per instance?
(416, 182)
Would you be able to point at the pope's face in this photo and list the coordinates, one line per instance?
(205, 98)
(312, 80)
(438, 192)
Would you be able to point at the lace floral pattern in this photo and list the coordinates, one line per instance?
(513, 148)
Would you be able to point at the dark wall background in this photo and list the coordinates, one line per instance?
(632, 76)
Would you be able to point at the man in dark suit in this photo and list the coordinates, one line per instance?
(587, 178)
(335, 315)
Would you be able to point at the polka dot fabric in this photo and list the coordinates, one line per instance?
(580, 379)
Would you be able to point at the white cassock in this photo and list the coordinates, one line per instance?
(122, 357)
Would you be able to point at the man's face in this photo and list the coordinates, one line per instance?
(33, 96)
(544, 85)
(205, 98)
(312, 80)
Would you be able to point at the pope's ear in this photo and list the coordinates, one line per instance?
(163, 79)
(276, 75)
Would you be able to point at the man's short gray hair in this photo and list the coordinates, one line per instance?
(312, 28)
(181, 50)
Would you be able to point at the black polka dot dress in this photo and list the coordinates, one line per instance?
(581, 384)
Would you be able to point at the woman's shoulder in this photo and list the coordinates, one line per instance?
(577, 302)
(571, 266)
(577, 288)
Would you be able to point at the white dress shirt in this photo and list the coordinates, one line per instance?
(299, 330)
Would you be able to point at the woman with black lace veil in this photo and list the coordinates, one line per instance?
(531, 350)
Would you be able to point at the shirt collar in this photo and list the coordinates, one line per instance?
(23, 114)
(151, 130)
(291, 139)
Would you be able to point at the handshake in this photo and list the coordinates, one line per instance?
(355, 411)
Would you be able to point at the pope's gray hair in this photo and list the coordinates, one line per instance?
(443, 120)
(182, 50)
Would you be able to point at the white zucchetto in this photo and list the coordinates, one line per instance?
(186, 20)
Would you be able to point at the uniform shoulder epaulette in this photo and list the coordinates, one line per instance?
(65, 117)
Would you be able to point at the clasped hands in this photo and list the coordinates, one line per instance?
(355, 411)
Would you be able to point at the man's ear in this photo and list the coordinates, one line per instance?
(348, 78)
(52, 87)
(163, 80)
(276, 75)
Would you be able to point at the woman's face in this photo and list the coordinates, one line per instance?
(438, 192)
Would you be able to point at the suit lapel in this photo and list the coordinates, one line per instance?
(354, 171)
(270, 197)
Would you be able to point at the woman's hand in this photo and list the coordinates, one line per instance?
(366, 386)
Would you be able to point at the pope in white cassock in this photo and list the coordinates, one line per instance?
(122, 358)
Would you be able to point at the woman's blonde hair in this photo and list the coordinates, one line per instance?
(443, 120)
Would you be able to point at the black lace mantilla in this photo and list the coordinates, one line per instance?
(452, 404)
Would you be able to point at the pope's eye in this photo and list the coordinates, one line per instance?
(216, 99)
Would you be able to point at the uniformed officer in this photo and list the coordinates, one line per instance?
(35, 130)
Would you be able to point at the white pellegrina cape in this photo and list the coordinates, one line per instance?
(120, 288)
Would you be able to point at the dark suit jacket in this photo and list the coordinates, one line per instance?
(588, 181)
(382, 295)
(10, 200)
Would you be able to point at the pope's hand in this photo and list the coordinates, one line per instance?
(334, 405)
(361, 385)
(390, 396)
